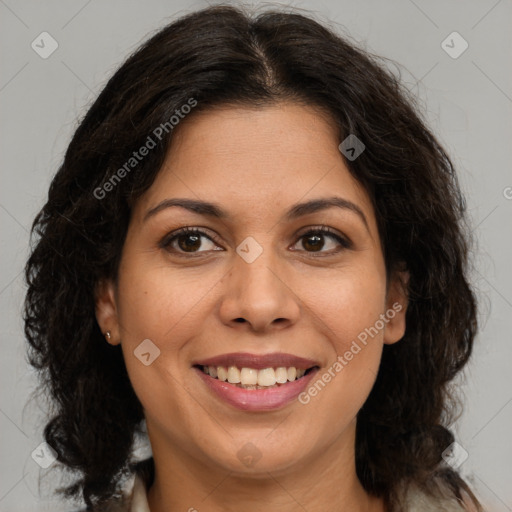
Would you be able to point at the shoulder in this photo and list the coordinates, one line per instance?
(118, 503)
(112, 505)
(419, 500)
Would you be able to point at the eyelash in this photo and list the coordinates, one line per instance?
(320, 230)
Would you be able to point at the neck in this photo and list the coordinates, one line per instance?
(326, 482)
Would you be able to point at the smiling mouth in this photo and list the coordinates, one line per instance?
(253, 378)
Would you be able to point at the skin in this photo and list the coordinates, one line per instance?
(255, 164)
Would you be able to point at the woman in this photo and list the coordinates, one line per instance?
(255, 249)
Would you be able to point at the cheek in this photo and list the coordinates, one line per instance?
(159, 303)
(167, 307)
(158, 313)
(345, 303)
(346, 314)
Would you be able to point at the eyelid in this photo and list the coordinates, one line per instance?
(197, 230)
(343, 240)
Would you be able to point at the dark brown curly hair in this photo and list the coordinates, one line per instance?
(222, 55)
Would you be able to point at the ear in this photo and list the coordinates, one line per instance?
(396, 307)
(106, 310)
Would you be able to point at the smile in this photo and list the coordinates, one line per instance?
(252, 378)
(256, 382)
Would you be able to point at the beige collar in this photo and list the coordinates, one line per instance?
(139, 500)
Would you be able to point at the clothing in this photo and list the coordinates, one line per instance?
(139, 502)
(135, 500)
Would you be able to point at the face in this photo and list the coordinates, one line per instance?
(268, 282)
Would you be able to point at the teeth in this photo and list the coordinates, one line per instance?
(266, 377)
(233, 375)
(281, 375)
(250, 378)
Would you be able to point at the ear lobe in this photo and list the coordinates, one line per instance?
(396, 307)
(106, 310)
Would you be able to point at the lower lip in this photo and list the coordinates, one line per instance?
(257, 399)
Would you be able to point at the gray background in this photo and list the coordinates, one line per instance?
(467, 101)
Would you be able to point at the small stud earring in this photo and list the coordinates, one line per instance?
(108, 336)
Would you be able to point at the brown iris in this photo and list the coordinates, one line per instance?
(316, 242)
(189, 242)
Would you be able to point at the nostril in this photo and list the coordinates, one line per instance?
(239, 320)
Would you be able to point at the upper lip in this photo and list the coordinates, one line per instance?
(258, 361)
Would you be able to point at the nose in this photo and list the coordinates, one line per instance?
(257, 297)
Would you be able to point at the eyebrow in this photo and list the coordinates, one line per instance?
(297, 210)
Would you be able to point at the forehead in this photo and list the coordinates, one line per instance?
(255, 161)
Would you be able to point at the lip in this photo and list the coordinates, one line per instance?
(258, 361)
(257, 399)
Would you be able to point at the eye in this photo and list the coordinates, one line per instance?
(189, 240)
(314, 240)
